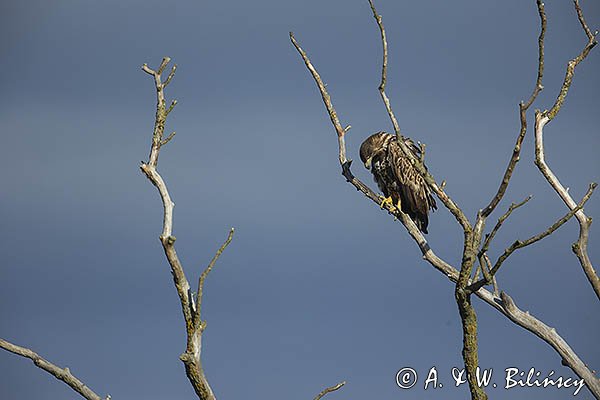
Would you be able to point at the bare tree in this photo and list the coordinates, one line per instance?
(475, 245)
(191, 301)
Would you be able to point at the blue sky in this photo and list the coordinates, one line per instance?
(318, 285)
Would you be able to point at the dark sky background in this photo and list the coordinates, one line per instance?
(318, 285)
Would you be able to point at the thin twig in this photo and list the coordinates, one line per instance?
(63, 374)
(199, 293)
(329, 390)
(485, 266)
(523, 107)
(540, 70)
(171, 107)
(327, 101)
(584, 25)
(171, 74)
(564, 90)
(490, 236)
(488, 266)
(478, 270)
(165, 61)
(384, 64)
(485, 269)
(168, 138)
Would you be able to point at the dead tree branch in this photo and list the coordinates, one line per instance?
(484, 261)
(514, 159)
(488, 267)
(549, 335)
(564, 90)
(591, 36)
(523, 107)
(541, 120)
(580, 246)
(519, 244)
(191, 312)
(62, 374)
(490, 236)
(329, 390)
(200, 292)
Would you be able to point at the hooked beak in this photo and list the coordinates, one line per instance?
(368, 163)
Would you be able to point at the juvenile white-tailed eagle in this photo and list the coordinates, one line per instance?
(397, 178)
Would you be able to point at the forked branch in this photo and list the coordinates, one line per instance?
(191, 312)
(490, 236)
(519, 244)
(541, 120)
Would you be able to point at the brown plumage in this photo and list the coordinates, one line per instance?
(397, 177)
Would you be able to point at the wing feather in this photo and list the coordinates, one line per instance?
(415, 194)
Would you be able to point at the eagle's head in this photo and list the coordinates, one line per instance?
(373, 146)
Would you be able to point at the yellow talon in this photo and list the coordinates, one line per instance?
(386, 200)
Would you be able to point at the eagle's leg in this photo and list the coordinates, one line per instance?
(386, 200)
(399, 207)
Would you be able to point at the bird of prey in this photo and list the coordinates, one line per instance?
(397, 177)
